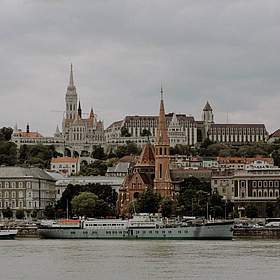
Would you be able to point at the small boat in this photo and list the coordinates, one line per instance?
(6, 233)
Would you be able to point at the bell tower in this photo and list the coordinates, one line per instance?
(71, 98)
(162, 182)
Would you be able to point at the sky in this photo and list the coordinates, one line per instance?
(223, 51)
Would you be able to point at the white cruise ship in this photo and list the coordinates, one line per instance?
(141, 226)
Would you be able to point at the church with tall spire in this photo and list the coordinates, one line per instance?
(79, 132)
(152, 169)
(162, 182)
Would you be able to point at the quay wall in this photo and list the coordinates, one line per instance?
(257, 233)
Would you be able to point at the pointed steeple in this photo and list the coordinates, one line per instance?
(162, 135)
(207, 107)
(91, 114)
(71, 85)
(80, 110)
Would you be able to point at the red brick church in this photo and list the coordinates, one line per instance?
(151, 170)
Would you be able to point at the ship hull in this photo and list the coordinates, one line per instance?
(8, 234)
(218, 231)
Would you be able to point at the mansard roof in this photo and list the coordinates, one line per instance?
(24, 172)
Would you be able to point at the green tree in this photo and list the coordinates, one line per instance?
(167, 207)
(147, 202)
(20, 214)
(98, 153)
(50, 212)
(8, 153)
(96, 168)
(89, 205)
(84, 204)
(6, 133)
(7, 213)
(103, 192)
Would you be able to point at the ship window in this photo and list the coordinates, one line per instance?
(144, 231)
(186, 231)
(179, 231)
(72, 232)
(163, 231)
(150, 231)
(156, 231)
(120, 232)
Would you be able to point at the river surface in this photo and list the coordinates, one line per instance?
(34, 259)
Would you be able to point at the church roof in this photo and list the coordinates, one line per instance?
(147, 157)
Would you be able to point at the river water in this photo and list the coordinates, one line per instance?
(34, 259)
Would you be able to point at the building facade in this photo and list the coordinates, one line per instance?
(25, 188)
(66, 165)
(231, 134)
(181, 130)
(258, 183)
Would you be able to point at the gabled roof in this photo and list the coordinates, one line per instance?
(147, 157)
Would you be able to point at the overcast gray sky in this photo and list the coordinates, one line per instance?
(224, 51)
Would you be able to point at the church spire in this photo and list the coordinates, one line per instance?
(162, 135)
(162, 181)
(71, 85)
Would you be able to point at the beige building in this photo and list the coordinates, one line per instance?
(25, 188)
(66, 165)
(257, 183)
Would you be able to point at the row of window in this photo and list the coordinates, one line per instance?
(14, 185)
(7, 194)
(261, 193)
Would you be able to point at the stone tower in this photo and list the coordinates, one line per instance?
(71, 98)
(207, 118)
(162, 181)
